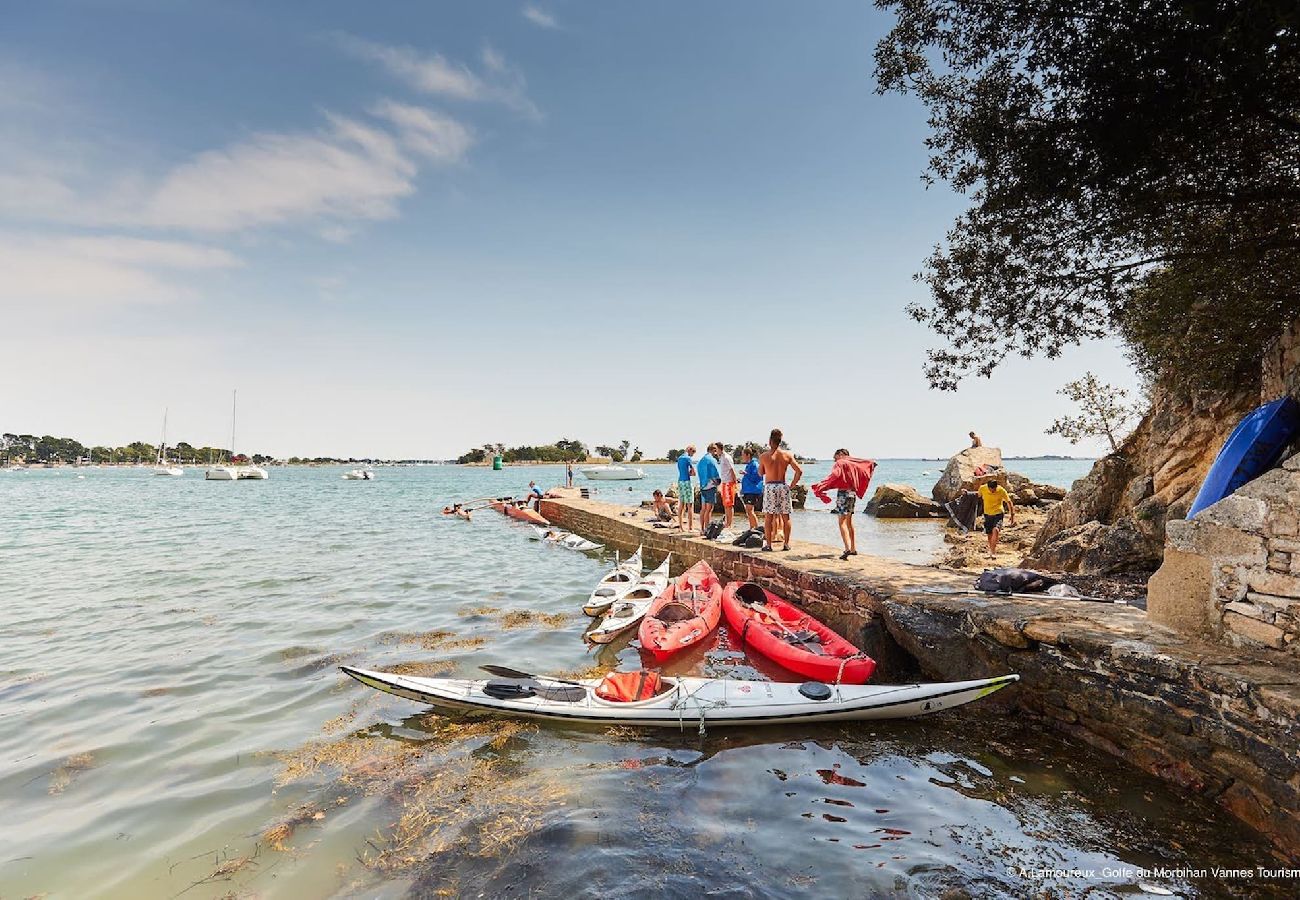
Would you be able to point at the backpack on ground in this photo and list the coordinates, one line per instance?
(712, 531)
(1014, 581)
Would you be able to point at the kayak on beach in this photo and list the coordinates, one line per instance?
(631, 609)
(615, 584)
(662, 701)
(684, 615)
(790, 637)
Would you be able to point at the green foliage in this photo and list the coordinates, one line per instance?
(1103, 412)
(1131, 166)
(563, 450)
(672, 455)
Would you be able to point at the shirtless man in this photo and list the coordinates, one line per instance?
(776, 493)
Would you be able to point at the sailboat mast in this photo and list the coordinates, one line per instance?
(234, 397)
(162, 443)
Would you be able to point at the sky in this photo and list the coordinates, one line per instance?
(401, 230)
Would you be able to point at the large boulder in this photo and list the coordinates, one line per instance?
(1032, 493)
(960, 471)
(1093, 548)
(901, 501)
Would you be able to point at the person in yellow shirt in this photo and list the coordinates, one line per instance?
(996, 503)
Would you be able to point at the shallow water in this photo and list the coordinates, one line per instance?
(172, 722)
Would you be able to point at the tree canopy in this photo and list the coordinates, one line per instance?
(1133, 167)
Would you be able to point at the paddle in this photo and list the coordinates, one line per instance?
(1018, 596)
(507, 672)
(791, 636)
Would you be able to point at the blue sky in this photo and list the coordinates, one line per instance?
(404, 229)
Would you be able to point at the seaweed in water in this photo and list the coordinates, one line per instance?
(71, 769)
(524, 618)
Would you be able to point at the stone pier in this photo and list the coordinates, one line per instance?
(1218, 721)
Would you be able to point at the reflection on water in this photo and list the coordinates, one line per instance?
(172, 722)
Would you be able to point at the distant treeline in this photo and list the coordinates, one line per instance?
(563, 450)
(31, 448)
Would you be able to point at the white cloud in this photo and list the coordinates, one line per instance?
(344, 172)
(433, 73)
(539, 17)
(85, 273)
(348, 171)
(431, 134)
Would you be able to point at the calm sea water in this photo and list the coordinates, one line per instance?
(172, 722)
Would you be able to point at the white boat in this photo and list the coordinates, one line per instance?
(161, 467)
(231, 472)
(629, 611)
(619, 581)
(612, 473)
(683, 702)
(359, 475)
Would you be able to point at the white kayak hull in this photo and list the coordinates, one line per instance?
(615, 585)
(690, 701)
(628, 612)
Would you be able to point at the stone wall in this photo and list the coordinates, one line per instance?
(1233, 572)
(1221, 723)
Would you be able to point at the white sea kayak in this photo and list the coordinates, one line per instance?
(615, 585)
(629, 610)
(684, 701)
(565, 539)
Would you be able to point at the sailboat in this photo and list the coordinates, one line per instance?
(225, 472)
(233, 472)
(161, 467)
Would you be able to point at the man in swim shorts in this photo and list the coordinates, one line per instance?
(685, 492)
(709, 481)
(996, 501)
(727, 489)
(776, 493)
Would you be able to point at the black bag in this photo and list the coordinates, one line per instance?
(751, 538)
(1017, 581)
(712, 531)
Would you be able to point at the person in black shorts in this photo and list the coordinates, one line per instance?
(751, 486)
(996, 502)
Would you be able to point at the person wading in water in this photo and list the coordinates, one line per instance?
(776, 493)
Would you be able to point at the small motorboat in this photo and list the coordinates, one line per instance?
(612, 473)
(628, 612)
(172, 471)
(251, 473)
(616, 583)
(684, 615)
(219, 473)
(359, 475)
(760, 620)
(649, 699)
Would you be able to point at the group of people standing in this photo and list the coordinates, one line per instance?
(760, 483)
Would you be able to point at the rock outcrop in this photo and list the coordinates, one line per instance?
(960, 471)
(1113, 519)
(901, 501)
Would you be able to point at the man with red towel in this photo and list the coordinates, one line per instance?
(850, 478)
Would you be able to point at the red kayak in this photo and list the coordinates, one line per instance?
(684, 614)
(522, 513)
(787, 635)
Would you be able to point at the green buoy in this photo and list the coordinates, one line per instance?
(497, 462)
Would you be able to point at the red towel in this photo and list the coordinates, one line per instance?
(848, 474)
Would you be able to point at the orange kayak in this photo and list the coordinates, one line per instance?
(684, 614)
(759, 620)
(522, 513)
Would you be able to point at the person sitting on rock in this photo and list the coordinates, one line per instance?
(996, 503)
(975, 440)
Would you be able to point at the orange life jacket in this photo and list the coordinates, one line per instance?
(628, 686)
